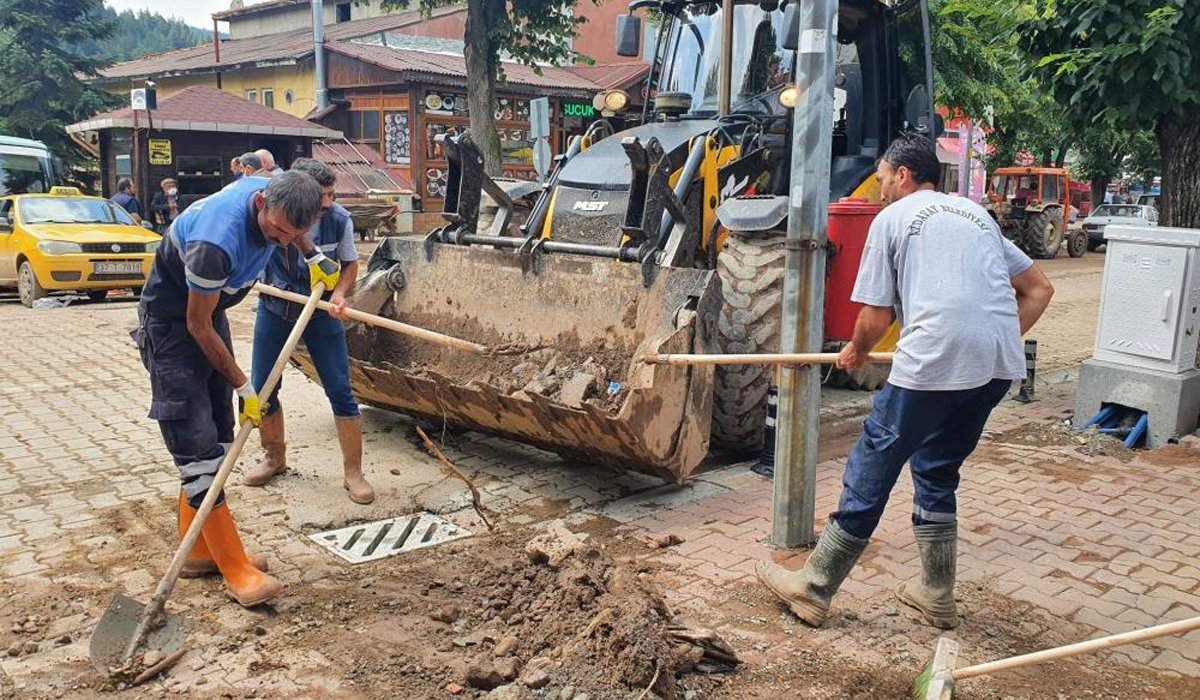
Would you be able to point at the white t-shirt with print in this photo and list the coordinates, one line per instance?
(942, 262)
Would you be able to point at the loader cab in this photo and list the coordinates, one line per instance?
(880, 62)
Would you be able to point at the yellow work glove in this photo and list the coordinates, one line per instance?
(322, 269)
(248, 408)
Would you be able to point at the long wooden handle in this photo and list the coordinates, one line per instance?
(167, 584)
(803, 358)
(1037, 657)
(373, 320)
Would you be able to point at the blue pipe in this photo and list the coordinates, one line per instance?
(1104, 414)
(1139, 430)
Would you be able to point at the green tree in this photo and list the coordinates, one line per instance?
(1130, 63)
(137, 34)
(531, 32)
(42, 73)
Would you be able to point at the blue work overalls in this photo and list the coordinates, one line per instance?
(191, 401)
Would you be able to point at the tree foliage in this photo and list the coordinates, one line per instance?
(42, 69)
(137, 34)
(1131, 64)
(532, 32)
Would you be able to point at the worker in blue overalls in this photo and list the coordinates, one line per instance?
(208, 260)
(325, 339)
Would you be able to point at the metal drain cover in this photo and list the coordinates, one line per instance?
(383, 538)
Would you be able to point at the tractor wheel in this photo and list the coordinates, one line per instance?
(1077, 244)
(1044, 233)
(751, 272)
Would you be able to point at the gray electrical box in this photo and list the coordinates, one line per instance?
(1150, 303)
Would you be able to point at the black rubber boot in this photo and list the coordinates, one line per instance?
(932, 592)
(809, 591)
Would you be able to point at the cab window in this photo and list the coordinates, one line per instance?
(1050, 188)
(6, 217)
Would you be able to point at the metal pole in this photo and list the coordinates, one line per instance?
(318, 22)
(804, 278)
(725, 77)
(964, 158)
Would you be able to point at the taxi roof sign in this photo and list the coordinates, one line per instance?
(66, 191)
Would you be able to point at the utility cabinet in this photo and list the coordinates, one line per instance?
(1150, 302)
(1147, 334)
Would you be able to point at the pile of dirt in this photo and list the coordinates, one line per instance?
(1058, 434)
(490, 617)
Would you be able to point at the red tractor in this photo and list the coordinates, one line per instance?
(1032, 206)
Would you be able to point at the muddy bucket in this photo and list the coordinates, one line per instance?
(583, 395)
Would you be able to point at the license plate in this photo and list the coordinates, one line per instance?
(117, 268)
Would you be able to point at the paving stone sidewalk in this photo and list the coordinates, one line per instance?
(1097, 543)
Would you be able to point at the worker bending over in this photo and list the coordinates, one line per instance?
(325, 339)
(210, 257)
(963, 295)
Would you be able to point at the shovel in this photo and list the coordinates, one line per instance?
(133, 642)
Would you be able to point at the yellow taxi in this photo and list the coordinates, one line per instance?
(66, 241)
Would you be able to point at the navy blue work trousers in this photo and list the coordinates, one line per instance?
(932, 430)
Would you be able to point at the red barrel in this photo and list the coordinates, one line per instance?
(849, 221)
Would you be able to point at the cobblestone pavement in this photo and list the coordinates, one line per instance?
(1055, 545)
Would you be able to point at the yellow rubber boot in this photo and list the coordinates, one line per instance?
(349, 431)
(200, 562)
(247, 584)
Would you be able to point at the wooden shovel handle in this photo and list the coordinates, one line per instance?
(1037, 657)
(809, 358)
(167, 584)
(374, 320)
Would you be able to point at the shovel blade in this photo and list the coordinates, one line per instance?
(165, 642)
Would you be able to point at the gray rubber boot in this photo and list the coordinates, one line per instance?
(809, 591)
(932, 592)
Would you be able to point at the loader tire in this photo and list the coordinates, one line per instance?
(751, 272)
(1044, 234)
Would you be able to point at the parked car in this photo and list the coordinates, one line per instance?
(66, 241)
(1124, 214)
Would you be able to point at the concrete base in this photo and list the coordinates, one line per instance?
(1172, 400)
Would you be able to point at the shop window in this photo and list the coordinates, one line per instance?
(269, 97)
(363, 126)
(445, 114)
(252, 96)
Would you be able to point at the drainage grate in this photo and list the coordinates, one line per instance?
(383, 538)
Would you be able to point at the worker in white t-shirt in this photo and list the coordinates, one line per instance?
(964, 295)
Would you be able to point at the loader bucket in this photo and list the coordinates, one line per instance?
(584, 395)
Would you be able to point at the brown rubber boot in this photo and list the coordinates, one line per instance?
(349, 431)
(932, 593)
(809, 591)
(200, 562)
(274, 462)
(244, 582)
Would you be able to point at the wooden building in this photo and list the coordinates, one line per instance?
(191, 137)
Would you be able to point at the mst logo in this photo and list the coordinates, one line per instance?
(589, 206)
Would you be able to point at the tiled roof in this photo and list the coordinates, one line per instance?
(453, 67)
(360, 168)
(203, 108)
(613, 76)
(284, 48)
(256, 7)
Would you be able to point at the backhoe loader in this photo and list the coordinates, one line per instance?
(667, 237)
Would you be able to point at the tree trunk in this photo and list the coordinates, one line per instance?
(1099, 188)
(482, 55)
(1061, 160)
(1179, 143)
